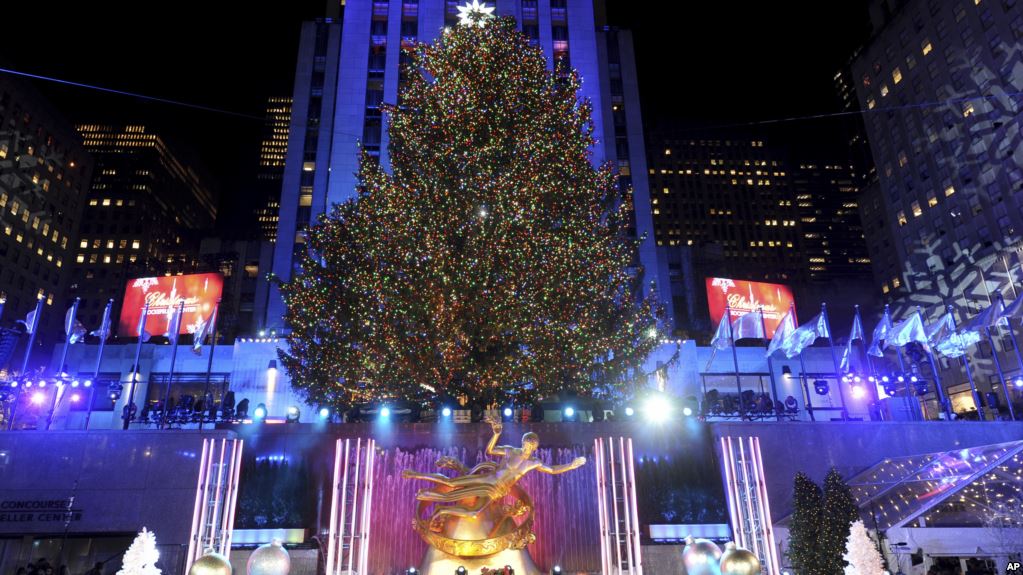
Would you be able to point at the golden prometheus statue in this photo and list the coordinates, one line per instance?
(481, 517)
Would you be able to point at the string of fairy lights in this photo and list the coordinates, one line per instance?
(493, 258)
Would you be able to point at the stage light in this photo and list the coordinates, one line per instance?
(507, 412)
(687, 411)
(569, 412)
(42, 383)
(15, 383)
(75, 397)
(657, 409)
(821, 386)
(857, 379)
(858, 392)
(88, 383)
(411, 571)
(385, 412)
(262, 333)
(901, 379)
(912, 378)
(259, 412)
(629, 412)
(28, 384)
(786, 371)
(461, 570)
(37, 398)
(556, 570)
(293, 414)
(75, 383)
(872, 379)
(1019, 382)
(446, 412)
(324, 413)
(884, 379)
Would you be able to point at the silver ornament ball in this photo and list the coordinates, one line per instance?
(269, 559)
(211, 563)
(700, 557)
(739, 561)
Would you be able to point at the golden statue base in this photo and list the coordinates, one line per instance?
(436, 562)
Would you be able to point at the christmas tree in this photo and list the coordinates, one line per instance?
(141, 556)
(838, 512)
(861, 553)
(492, 256)
(805, 527)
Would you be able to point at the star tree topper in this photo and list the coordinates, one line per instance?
(474, 13)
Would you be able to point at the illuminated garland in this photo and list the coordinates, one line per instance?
(493, 258)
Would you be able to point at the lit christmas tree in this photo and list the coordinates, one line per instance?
(492, 257)
(805, 527)
(839, 511)
(861, 553)
(141, 556)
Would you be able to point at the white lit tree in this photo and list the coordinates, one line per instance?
(861, 553)
(141, 557)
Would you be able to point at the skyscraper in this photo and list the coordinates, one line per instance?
(273, 151)
(336, 103)
(937, 83)
(44, 178)
(146, 209)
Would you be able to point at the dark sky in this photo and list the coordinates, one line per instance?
(700, 64)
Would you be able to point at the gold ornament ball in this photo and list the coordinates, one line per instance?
(211, 564)
(269, 559)
(739, 561)
(700, 557)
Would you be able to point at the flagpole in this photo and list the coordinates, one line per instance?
(69, 329)
(902, 366)
(998, 363)
(135, 366)
(983, 281)
(870, 365)
(945, 404)
(24, 365)
(32, 336)
(174, 357)
(104, 333)
(735, 362)
(1008, 276)
(969, 375)
(209, 364)
(3, 300)
(770, 370)
(802, 367)
(834, 359)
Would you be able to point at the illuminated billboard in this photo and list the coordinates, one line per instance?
(200, 293)
(745, 297)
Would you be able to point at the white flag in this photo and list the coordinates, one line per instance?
(946, 340)
(202, 331)
(855, 333)
(785, 329)
(174, 325)
(804, 336)
(723, 335)
(907, 331)
(748, 326)
(987, 318)
(30, 322)
(73, 329)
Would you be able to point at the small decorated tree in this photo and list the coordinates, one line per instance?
(805, 527)
(141, 557)
(861, 553)
(838, 512)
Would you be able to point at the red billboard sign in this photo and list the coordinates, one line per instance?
(744, 297)
(200, 293)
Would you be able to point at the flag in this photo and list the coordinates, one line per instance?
(907, 331)
(723, 335)
(879, 339)
(855, 333)
(30, 322)
(786, 327)
(174, 324)
(748, 326)
(202, 331)
(987, 318)
(103, 331)
(140, 331)
(1013, 310)
(73, 329)
(805, 335)
(946, 340)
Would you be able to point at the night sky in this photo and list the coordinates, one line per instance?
(701, 64)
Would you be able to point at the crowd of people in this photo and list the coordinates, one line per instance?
(42, 566)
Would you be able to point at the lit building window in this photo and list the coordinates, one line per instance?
(896, 76)
(667, 152)
(903, 159)
(884, 90)
(110, 244)
(135, 245)
(83, 244)
(884, 287)
(901, 217)
(871, 103)
(308, 166)
(968, 110)
(80, 259)
(926, 47)
(93, 202)
(949, 190)
(917, 211)
(896, 283)
(931, 200)
(106, 201)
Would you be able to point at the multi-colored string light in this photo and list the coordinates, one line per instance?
(494, 257)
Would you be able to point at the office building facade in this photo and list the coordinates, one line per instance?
(44, 178)
(146, 211)
(273, 151)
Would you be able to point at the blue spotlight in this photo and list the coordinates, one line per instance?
(629, 412)
(385, 412)
(569, 412)
(324, 413)
(446, 412)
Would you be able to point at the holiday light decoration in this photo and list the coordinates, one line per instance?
(494, 258)
(474, 13)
